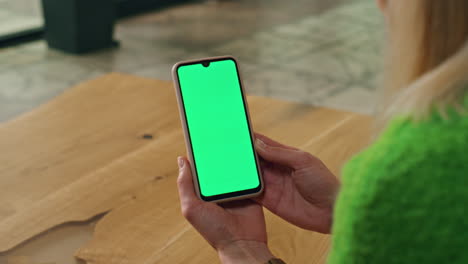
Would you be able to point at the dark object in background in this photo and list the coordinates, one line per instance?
(79, 26)
(132, 7)
(122, 8)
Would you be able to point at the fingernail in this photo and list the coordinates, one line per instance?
(260, 143)
(180, 161)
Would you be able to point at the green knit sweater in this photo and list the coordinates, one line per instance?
(405, 198)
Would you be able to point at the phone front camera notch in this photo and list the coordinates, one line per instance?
(206, 64)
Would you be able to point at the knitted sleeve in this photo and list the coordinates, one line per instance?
(405, 198)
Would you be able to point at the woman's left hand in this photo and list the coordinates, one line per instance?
(235, 229)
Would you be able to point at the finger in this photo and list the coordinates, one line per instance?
(188, 197)
(271, 181)
(272, 142)
(293, 158)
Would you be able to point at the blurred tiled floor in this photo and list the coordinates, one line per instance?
(313, 51)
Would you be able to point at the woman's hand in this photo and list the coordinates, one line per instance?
(235, 229)
(298, 186)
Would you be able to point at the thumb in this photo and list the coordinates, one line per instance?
(193, 209)
(188, 197)
(293, 158)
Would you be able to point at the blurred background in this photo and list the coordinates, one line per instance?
(325, 53)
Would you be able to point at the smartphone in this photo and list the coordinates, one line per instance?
(217, 128)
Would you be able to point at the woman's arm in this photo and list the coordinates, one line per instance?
(236, 230)
(243, 252)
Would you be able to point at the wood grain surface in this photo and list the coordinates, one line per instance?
(84, 153)
(52, 158)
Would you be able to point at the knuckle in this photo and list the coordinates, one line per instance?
(305, 159)
(188, 212)
(180, 179)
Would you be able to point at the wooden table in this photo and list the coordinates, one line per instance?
(105, 152)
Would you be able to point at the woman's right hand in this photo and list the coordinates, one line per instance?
(298, 186)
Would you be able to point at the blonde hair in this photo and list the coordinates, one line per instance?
(427, 64)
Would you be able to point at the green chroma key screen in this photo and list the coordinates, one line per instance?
(218, 128)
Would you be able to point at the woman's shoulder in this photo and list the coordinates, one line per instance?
(408, 188)
(407, 143)
(409, 154)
